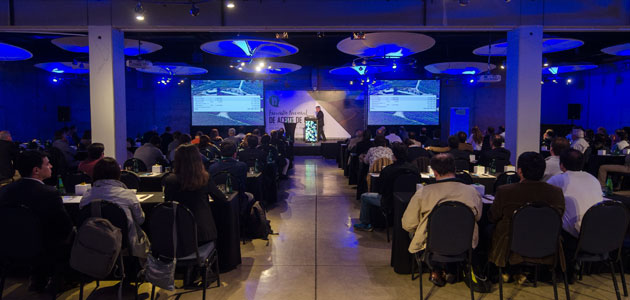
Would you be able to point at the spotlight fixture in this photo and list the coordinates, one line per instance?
(358, 36)
(282, 35)
(351, 82)
(194, 10)
(554, 81)
(542, 82)
(139, 10)
(230, 4)
(569, 81)
(463, 2)
(320, 35)
(502, 67)
(394, 66)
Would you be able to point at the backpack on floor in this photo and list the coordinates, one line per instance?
(257, 226)
(96, 246)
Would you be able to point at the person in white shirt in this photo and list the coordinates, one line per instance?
(558, 145)
(579, 143)
(379, 150)
(581, 191)
(622, 138)
(392, 137)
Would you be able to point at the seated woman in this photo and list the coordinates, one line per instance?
(107, 186)
(190, 185)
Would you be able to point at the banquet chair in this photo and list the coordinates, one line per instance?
(422, 163)
(74, 178)
(188, 253)
(602, 232)
(20, 226)
(130, 179)
(464, 177)
(535, 235)
(403, 189)
(506, 178)
(450, 228)
(462, 165)
(117, 216)
(135, 164)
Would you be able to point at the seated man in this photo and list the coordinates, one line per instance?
(463, 145)
(497, 152)
(447, 188)
(579, 143)
(56, 226)
(149, 153)
(454, 149)
(509, 197)
(8, 155)
(557, 146)
(61, 143)
(95, 152)
(379, 150)
(602, 175)
(228, 162)
(387, 177)
(581, 191)
(414, 151)
(251, 155)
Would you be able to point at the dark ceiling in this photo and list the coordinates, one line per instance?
(320, 51)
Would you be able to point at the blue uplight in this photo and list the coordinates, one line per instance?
(244, 46)
(469, 72)
(360, 69)
(13, 53)
(566, 69)
(387, 51)
(249, 48)
(55, 70)
(553, 70)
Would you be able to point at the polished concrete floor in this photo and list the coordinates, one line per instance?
(317, 255)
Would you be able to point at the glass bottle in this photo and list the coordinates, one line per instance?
(256, 166)
(228, 184)
(609, 186)
(60, 187)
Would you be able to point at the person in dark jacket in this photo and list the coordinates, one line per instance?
(498, 153)
(228, 162)
(190, 185)
(45, 202)
(251, 155)
(8, 155)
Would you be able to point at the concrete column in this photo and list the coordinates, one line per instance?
(522, 90)
(107, 90)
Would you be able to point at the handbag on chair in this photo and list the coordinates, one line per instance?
(162, 273)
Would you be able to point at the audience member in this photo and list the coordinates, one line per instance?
(487, 140)
(271, 153)
(497, 152)
(8, 154)
(228, 162)
(602, 174)
(579, 143)
(73, 137)
(95, 153)
(581, 191)
(149, 153)
(277, 139)
(190, 185)
(552, 163)
(365, 144)
(423, 137)
(358, 136)
(174, 143)
(241, 132)
(146, 137)
(232, 137)
(107, 186)
(548, 137)
(167, 137)
(208, 149)
(252, 155)
(510, 197)
(198, 135)
(392, 137)
(608, 142)
(387, 177)
(621, 139)
(183, 139)
(414, 150)
(447, 188)
(215, 138)
(379, 150)
(61, 143)
(414, 138)
(589, 135)
(599, 143)
(403, 133)
(502, 131)
(45, 202)
(463, 146)
(454, 148)
(476, 139)
(86, 140)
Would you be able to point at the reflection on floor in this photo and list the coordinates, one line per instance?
(317, 255)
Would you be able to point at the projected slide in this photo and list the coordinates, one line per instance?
(404, 102)
(227, 102)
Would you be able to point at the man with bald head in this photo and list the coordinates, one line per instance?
(8, 154)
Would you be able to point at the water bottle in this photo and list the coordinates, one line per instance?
(609, 186)
(136, 167)
(493, 167)
(256, 166)
(228, 184)
(60, 186)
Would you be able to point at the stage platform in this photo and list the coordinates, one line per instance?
(327, 149)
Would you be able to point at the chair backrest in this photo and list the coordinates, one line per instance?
(162, 162)
(72, 179)
(462, 165)
(130, 179)
(58, 161)
(535, 230)
(20, 232)
(405, 185)
(135, 164)
(464, 177)
(450, 228)
(113, 213)
(161, 230)
(587, 155)
(500, 164)
(422, 163)
(603, 228)
(506, 178)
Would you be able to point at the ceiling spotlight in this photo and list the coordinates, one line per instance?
(502, 67)
(351, 82)
(230, 4)
(194, 10)
(139, 10)
(569, 81)
(464, 2)
(542, 82)
(472, 81)
(240, 68)
(394, 66)
(261, 64)
(282, 35)
(231, 66)
(554, 81)
(358, 36)
(242, 64)
(320, 35)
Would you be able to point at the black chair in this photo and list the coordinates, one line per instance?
(422, 163)
(403, 189)
(130, 179)
(464, 177)
(535, 235)
(189, 253)
(20, 227)
(162, 162)
(135, 164)
(72, 179)
(462, 165)
(117, 216)
(506, 178)
(499, 165)
(59, 163)
(602, 232)
(450, 228)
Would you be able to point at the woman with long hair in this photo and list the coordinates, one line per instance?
(476, 138)
(190, 185)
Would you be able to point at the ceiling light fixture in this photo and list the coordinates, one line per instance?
(139, 10)
(282, 35)
(358, 36)
(230, 4)
(194, 10)
(320, 35)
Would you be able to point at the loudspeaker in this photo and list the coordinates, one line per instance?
(63, 113)
(574, 111)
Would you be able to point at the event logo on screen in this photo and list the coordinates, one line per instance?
(404, 102)
(227, 102)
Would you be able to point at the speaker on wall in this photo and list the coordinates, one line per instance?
(574, 111)
(63, 113)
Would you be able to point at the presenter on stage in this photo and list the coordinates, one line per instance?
(320, 124)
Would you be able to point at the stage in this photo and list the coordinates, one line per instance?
(327, 149)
